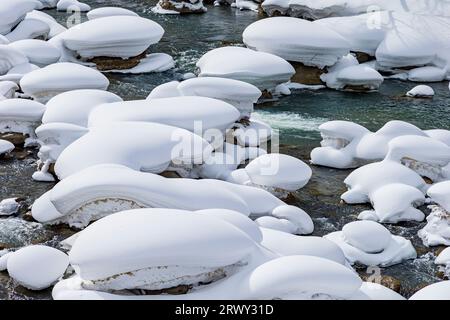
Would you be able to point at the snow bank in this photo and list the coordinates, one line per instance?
(29, 28)
(296, 40)
(38, 52)
(43, 84)
(109, 12)
(261, 69)
(37, 267)
(105, 189)
(127, 143)
(371, 244)
(12, 12)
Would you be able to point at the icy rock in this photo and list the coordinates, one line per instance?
(43, 84)
(296, 40)
(421, 91)
(156, 249)
(38, 52)
(278, 172)
(261, 69)
(127, 143)
(435, 291)
(289, 245)
(37, 267)
(427, 74)
(371, 244)
(29, 28)
(5, 147)
(20, 116)
(12, 12)
(16, 232)
(105, 189)
(109, 12)
(394, 203)
(72, 5)
(9, 207)
(179, 6)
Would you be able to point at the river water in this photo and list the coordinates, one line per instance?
(296, 116)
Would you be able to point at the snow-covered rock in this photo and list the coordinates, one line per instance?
(443, 260)
(261, 69)
(109, 12)
(371, 244)
(15, 74)
(435, 291)
(72, 5)
(55, 27)
(37, 267)
(38, 52)
(375, 291)
(104, 189)
(29, 28)
(9, 58)
(9, 206)
(8, 89)
(5, 147)
(296, 40)
(427, 74)
(179, 6)
(43, 84)
(20, 116)
(240, 94)
(421, 91)
(127, 143)
(12, 12)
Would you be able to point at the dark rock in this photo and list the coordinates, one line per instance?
(17, 139)
(387, 281)
(363, 57)
(169, 5)
(110, 63)
(306, 75)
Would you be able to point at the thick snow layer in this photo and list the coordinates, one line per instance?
(6, 147)
(247, 5)
(20, 116)
(12, 12)
(10, 57)
(40, 53)
(435, 291)
(196, 114)
(364, 181)
(72, 5)
(420, 91)
(296, 40)
(37, 267)
(105, 189)
(440, 135)
(427, 74)
(116, 36)
(440, 194)
(371, 244)
(240, 94)
(109, 12)
(29, 28)
(395, 202)
(43, 84)
(55, 27)
(317, 9)
(127, 143)
(15, 74)
(289, 245)
(375, 291)
(347, 73)
(443, 257)
(75, 106)
(146, 238)
(253, 134)
(9, 206)
(4, 255)
(154, 62)
(261, 69)
(282, 225)
(8, 89)
(437, 230)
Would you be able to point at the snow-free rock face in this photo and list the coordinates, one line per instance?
(240, 94)
(37, 267)
(43, 84)
(421, 91)
(20, 116)
(435, 291)
(127, 143)
(261, 69)
(427, 74)
(12, 12)
(8, 89)
(371, 244)
(101, 190)
(40, 53)
(156, 249)
(179, 6)
(440, 194)
(109, 12)
(296, 40)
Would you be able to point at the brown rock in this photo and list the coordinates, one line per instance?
(110, 63)
(363, 57)
(305, 74)
(168, 5)
(387, 281)
(17, 139)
